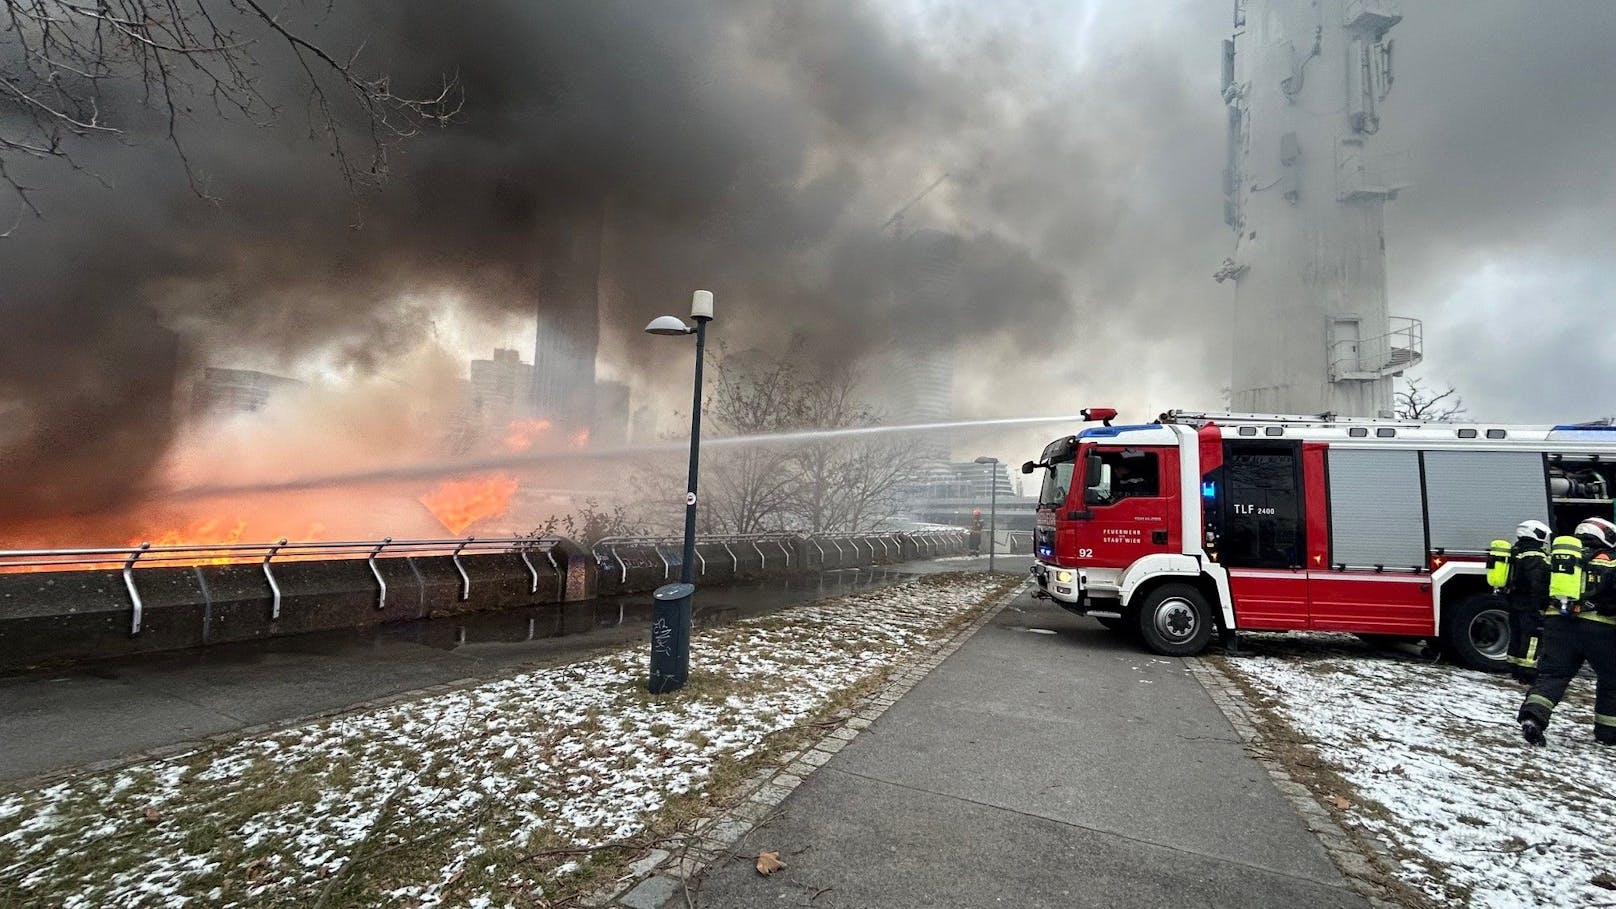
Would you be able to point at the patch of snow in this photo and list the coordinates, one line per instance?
(576, 753)
(1438, 749)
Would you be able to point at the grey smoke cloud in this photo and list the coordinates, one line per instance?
(739, 146)
(1503, 241)
(756, 148)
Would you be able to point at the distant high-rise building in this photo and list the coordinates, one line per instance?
(610, 427)
(568, 332)
(970, 480)
(222, 390)
(498, 392)
(931, 297)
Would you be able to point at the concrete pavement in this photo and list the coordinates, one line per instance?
(117, 709)
(1039, 769)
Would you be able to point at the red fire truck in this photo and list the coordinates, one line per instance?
(1204, 524)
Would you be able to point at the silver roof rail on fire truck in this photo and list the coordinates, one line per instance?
(1201, 418)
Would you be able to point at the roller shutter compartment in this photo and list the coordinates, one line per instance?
(1478, 496)
(1376, 510)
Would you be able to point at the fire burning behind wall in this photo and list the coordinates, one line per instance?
(521, 434)
(352, 427)
(458, 504)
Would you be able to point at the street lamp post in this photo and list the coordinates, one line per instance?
(993, 506)
(670, 621)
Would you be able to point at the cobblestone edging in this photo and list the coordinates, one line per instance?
(663, 873)
(1360, 869)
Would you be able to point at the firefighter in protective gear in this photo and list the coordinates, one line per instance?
(1523, 582)
(1580, 627)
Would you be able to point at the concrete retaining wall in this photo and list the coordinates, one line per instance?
(68, 616)
(64, 616)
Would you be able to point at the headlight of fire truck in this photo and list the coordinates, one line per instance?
(1064, 576)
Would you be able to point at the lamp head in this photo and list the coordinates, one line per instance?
(668, 325)
(701, 305)
(987, 460)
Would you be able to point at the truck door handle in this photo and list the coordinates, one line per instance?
(1084, 515)
(1158, 537)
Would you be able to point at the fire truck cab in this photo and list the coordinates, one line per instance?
(1203, 524)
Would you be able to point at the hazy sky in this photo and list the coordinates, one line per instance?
(756, 148)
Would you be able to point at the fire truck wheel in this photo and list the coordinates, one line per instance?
(1476, 634)
(1175, 620)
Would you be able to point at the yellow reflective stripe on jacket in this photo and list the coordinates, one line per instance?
(1596, 617)
(1604, 719)
(1531, 653)
(1532, 554)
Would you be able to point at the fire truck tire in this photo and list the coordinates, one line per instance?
(1476, 634)
(1175, 620)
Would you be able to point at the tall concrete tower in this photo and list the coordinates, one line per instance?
(923, 389)
(568, 332)
(1305, 191)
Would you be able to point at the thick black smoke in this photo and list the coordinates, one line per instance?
(747, 147)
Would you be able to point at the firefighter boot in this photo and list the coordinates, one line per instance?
(1532, 731)
(1534, 718)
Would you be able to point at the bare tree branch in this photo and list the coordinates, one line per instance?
(1415, 402)
(61, 59)
(813, 485)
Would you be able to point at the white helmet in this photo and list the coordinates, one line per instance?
(1599, 529)
(1533, 530)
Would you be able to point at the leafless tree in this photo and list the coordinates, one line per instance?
(844, 484)
(749, 487)
(808, 484)
(65, 65)
(874, 481)
(1416, 402)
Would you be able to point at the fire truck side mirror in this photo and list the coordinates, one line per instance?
(1028, 467)
(1092, 471)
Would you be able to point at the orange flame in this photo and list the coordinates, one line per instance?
(199, 534)
(579, 439)
(520, 434)
(458, 504)
(208, 532)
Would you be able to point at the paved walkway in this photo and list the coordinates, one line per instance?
(1036, 769)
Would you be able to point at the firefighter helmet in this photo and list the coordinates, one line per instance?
(1532, 530)
(1598, 529)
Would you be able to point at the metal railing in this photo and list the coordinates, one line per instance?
(127, 558)
(608, 550)
(1016, 538)
(608, 553)
(1400, 348)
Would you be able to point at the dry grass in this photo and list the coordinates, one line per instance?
(532, 789)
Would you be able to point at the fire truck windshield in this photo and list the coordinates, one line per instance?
(1057, 480)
